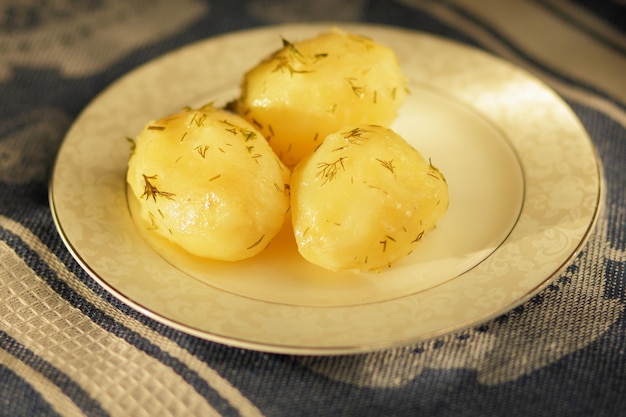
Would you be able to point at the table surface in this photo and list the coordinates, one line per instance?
(68, 347)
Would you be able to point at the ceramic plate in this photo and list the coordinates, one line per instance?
(524, 181)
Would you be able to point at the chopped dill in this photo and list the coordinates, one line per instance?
(133, 144)
(235, 130)
(419, 237)
(256, 243)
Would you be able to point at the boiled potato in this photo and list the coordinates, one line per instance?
(309, 89)
(208, 181)
(364, 199)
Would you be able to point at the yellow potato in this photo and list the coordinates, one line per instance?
(364, 199)
(208, 181)
(309, 89)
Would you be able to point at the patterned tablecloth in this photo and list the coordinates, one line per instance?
(68, 347)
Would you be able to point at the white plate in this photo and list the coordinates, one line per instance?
(525, 189)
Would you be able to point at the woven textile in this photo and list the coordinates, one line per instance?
(68, 347)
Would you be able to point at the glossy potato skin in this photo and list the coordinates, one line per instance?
(309, 89)
(207, 180)
(364, 199)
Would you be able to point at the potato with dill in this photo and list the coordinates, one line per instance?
(207, 180)
(311, 88)
(364, 199)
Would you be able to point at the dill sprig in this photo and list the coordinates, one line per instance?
(387, 164)
(290, 58)
(358, 90)
(202, 150)
(434, 172)
(328, 171)
(355, 136)
(150, 190)
(198, 119)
